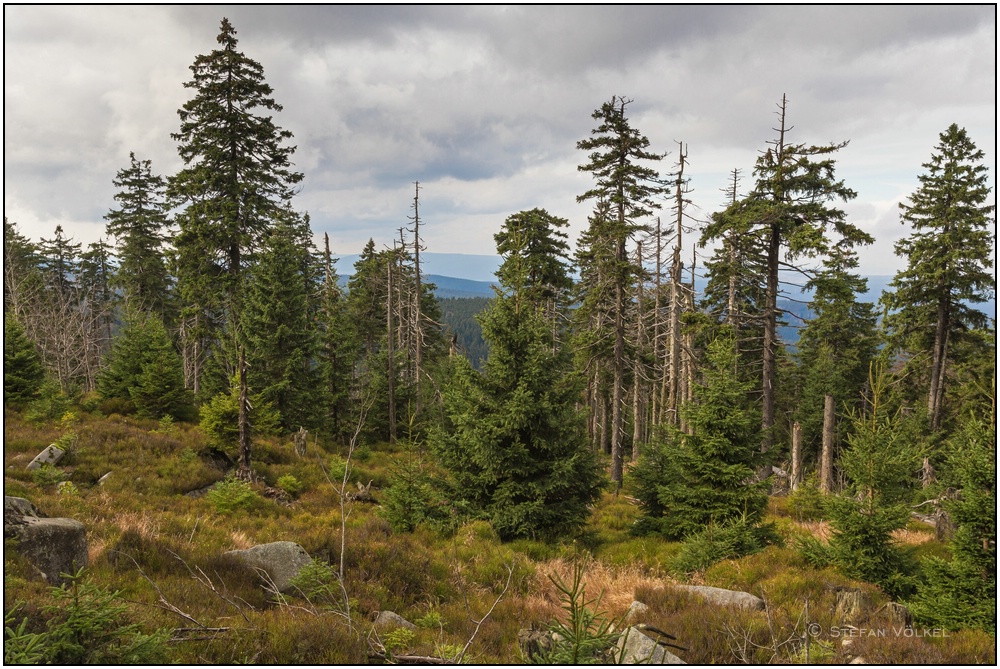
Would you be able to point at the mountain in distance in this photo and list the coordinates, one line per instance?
(468, 275)
(481, 268)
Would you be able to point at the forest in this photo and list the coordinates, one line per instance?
(597, 429)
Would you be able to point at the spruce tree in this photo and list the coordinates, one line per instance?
(836, 347)
(514, 441)
(22, 280)
(144, 370)
(337, 347)
(366, 298)
(963, 592)
(237, 179)
(879, 465)
(619, 163)
(237, 175)
(686, 482)
(278, 327)
(60, 265)
(792, 208)
(23, 373)
(949, 258)
(95, 284)
(139, 227)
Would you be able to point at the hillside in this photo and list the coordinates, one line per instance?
(155, 537)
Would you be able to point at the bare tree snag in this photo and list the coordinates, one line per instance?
(244, 420)
(826, 458)
(673, 396)
(390, 355)
(796, 476)
(417, 324)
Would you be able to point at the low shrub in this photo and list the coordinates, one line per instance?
(807, 503)
(317, 582)
(47, 475)
(231, 494)
(290, 485)
(729, 541)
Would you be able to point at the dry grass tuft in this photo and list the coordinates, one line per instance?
(141, 523)
(615, 585)
(817, 528)
(912, 537)
(240, 540)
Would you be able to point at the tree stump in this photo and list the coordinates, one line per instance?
(300, 441)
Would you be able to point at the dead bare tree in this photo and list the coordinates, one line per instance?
(342, 493)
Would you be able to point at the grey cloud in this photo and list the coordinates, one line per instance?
(484, 104)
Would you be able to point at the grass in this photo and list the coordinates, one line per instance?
(149, 538)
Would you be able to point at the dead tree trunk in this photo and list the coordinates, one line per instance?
(826, 458)
(417, 325)
(673, 396)
(390, 355)
(637, 409)
(657, 368)
(244, 420)
(796, 475)
(927, 475)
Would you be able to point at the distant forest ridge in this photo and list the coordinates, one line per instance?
(469, 275)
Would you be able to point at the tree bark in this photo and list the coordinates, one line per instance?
(673, 397)
(637, 409)
(244, 419)
(826, 458)
(936, 393)
(617, 398)
(770, 340)
(390, 355)
(417, 325)
(796, 476)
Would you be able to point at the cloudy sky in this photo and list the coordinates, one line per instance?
(484, 105)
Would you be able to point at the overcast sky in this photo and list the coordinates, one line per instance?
(484, 105)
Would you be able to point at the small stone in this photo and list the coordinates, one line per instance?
(50, 456)
(635, 647)
(724, 597)
(635, 610)
(281, 561)
(104, 478)
(393, 619)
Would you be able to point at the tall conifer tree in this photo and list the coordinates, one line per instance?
(236, 181)
(278, 330)
(837, 346)
(618, 162)
(950, 255)
(139, 227)
(514, 440)
(791, 208)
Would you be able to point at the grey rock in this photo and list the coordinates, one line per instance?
(723, 597)
(53, 546)
(635, 610)
(635, 647)
(859, 660)
(280, 560)
(16, 512)
(50, 456)
(104, 478)
(392, 619)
